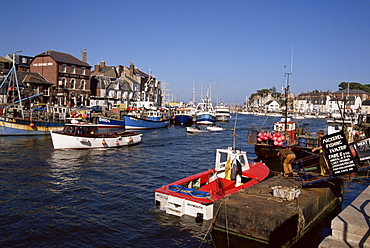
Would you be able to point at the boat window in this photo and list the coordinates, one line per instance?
(241, 160)
(69, 129)
(223, 157)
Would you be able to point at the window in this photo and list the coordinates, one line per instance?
(83, 84)
(73, 84)
(62, 83)
(83, 70)
(64, 68)
(73, 69)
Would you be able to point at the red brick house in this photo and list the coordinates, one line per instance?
(70, 77)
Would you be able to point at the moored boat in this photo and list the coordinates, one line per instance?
(137, 123)
(195, 195)
(183, 116)
(204, 113)
(82, 135)
(222, 113)
(15, 119)
(215, 128)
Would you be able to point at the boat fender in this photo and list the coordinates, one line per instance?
(175, 188)
(199, 218)
(32, 124)
(130, 140)
(104, 143)
(117, 143)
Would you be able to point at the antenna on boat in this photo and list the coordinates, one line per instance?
(234, 134)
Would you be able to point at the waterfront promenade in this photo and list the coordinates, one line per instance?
(351, 227)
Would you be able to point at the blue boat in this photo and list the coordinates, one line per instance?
(136, 123)
(14, 120)
(204, 113)
(183, 116)
(111, 125)
(19, 126)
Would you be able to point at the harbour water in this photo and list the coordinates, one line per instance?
(105, 198)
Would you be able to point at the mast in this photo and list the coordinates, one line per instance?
(287, 75)
(12, 78)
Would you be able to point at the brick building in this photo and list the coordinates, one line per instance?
(69, 75)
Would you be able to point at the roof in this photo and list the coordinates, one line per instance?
(32, 78)
(346, 91)
(4, 60)
(63, 58)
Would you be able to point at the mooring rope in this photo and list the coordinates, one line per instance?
(214, 218)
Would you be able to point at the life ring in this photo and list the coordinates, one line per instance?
(175, 187)
(201, 194)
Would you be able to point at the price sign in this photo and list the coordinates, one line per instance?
(363, 149)
(338, 154)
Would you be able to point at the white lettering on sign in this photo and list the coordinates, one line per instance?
(42, 64)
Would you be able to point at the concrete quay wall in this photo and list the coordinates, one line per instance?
(351, 228)
(255, 213)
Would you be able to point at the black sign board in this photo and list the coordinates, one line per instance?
(338, 154)
(363, 149)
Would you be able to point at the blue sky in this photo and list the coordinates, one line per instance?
(237, 47)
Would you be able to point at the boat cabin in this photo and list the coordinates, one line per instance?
(85, 130)
(228, 161)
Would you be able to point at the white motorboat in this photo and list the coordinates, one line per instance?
(82, 135)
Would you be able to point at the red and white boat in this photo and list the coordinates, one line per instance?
(195, 195)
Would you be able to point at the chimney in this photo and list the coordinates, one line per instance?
(132, 69)
(102, 63)
(84, 55)
(97, 69)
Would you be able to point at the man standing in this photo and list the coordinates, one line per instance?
(322, 160)
(288, 156)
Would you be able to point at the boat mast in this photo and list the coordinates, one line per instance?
(11, 78)
(287, 75)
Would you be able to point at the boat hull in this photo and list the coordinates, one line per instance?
(134, 123)
(200, 201)
(205, 118)
(183, 120)
(16, 126)
(63, 141)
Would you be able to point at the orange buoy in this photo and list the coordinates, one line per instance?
(117, 143)
(32, 124)
(104, 143)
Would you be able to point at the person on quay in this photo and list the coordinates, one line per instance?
(322, 161)
(288, 156)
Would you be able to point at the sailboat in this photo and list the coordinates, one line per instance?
(14, 119)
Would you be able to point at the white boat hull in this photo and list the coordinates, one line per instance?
(179, 206)
(62, 141)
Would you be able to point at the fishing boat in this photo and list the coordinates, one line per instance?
(82, 135)
(145, 115)
(137, 123)
(14, 119)
(222, 113)
(195, 195)
(204, 112)
(183, 116)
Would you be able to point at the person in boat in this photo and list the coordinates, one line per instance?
(288, 156)
(322, 161)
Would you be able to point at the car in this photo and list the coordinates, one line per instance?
(97, 109)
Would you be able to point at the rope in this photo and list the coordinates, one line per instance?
(301, 222)
(214, 219)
